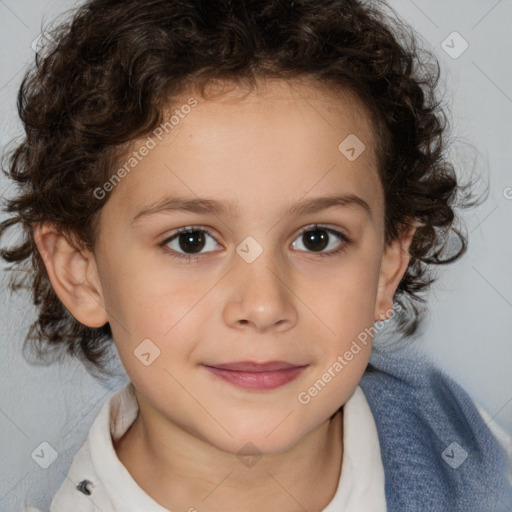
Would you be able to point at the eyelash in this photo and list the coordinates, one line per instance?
(191, 229)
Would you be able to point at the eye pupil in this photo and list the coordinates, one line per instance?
(195, 239)
(315, 241)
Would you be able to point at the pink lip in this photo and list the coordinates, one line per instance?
(252, 375)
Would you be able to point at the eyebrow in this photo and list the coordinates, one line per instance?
(212, 206)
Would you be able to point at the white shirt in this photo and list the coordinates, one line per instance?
(360, 488)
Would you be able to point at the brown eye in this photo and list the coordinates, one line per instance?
(317, 238)
(193, 241)
(189, 241)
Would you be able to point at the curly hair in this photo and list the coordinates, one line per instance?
(116, 65)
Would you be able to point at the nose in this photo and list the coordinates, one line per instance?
(260, 295)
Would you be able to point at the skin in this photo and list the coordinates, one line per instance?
(261, 149)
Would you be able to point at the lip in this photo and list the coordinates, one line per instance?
(258, 376)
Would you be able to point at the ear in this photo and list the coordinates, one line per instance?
(73, 274)
(393, 266)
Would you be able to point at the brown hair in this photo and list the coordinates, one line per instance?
(113, 69)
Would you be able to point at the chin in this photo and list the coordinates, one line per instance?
(256, 442)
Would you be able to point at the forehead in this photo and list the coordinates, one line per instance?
(280, 102)
(243, 143)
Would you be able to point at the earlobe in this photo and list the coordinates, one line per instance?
(393, 267)
(73, 274)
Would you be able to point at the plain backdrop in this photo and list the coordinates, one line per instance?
(468, 329)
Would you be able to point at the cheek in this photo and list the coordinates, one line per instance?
(346, 292)
(333, 383)
(345, 305)
(138, 290)
(142, 304)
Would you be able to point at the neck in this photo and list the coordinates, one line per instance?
(181, 472)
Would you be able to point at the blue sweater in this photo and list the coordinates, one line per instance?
(437, 452)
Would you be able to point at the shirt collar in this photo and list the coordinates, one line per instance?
(361, 485)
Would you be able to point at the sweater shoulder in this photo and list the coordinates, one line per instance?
(432, 437)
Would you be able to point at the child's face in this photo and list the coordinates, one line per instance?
(260, 154)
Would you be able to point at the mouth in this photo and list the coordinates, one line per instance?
(257, 376)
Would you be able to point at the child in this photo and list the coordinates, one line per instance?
(181, 162)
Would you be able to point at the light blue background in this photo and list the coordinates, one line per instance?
(467, 332)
